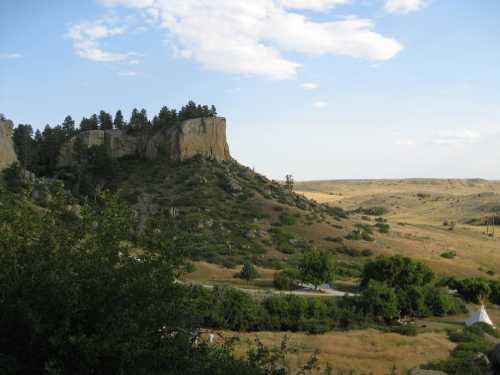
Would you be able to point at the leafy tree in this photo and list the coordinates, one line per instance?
(119, 122)
(472, 290)
(105, 121)
(407, 277)
(68, 127)
(397, 272)
(380, 302)
(316, 267)
(289, 183)
(248, 272)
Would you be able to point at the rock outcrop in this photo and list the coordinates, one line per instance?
(200, 136)
(7, 153)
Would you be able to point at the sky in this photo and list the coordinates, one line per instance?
(320, 89)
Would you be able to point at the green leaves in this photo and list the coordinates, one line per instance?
(316, 267)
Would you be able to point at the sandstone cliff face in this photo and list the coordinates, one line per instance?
(7, 153)
(201, 136)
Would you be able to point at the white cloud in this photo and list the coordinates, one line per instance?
(251, 37)
(320, 104)
(10, 55)
(86, 37)
(318, 5)
(310, 86)
(405, 6)
(456, 137)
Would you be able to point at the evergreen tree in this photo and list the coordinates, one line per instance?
(248, 272)
(88, 123)
(105, 121)
(68, 126)
(138, 120)
(24, 145)
(119, 123)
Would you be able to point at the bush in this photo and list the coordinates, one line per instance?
(405, 330)
(449, 254)
(382, 227)
(286, 279)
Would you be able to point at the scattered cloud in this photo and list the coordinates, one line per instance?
(252, 37)
(456, 137)
(10, 55)
(87, 36)
(310, 86)
(317, 5)
(320, 104)
(405, 6)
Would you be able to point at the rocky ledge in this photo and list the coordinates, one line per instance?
(200, 136)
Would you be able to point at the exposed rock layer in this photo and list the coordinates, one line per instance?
(200, 136)
(7, 153)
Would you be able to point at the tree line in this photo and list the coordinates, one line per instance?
(38, 151)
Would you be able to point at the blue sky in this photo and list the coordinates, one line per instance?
(321, 89)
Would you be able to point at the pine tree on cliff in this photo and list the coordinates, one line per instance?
(105, 121)
(68, 126)
(138, 120)
(89, 123)
(119, 123)
(166, 118)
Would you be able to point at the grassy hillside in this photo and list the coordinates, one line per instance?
(224, 213)
(428, 217)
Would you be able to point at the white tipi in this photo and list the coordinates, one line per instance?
(479, 315)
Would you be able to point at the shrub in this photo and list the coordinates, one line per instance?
(405, 330)
(286, 279)
(382, 227)
(449, 254)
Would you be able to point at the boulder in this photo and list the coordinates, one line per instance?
(7, 153)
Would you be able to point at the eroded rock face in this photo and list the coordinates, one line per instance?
(201, 136)
(7, 153)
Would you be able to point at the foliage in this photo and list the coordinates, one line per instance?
(472, 289)
(449, 254)
(316, 267)
(380, 302)
(13, 177)
(471, 341)
(248, 272)
(407, 277)
(286, 279)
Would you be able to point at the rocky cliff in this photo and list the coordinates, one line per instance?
(7, 153)
(200, 136)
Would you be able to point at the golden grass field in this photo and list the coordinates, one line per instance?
(361, 350)
(417, 210)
